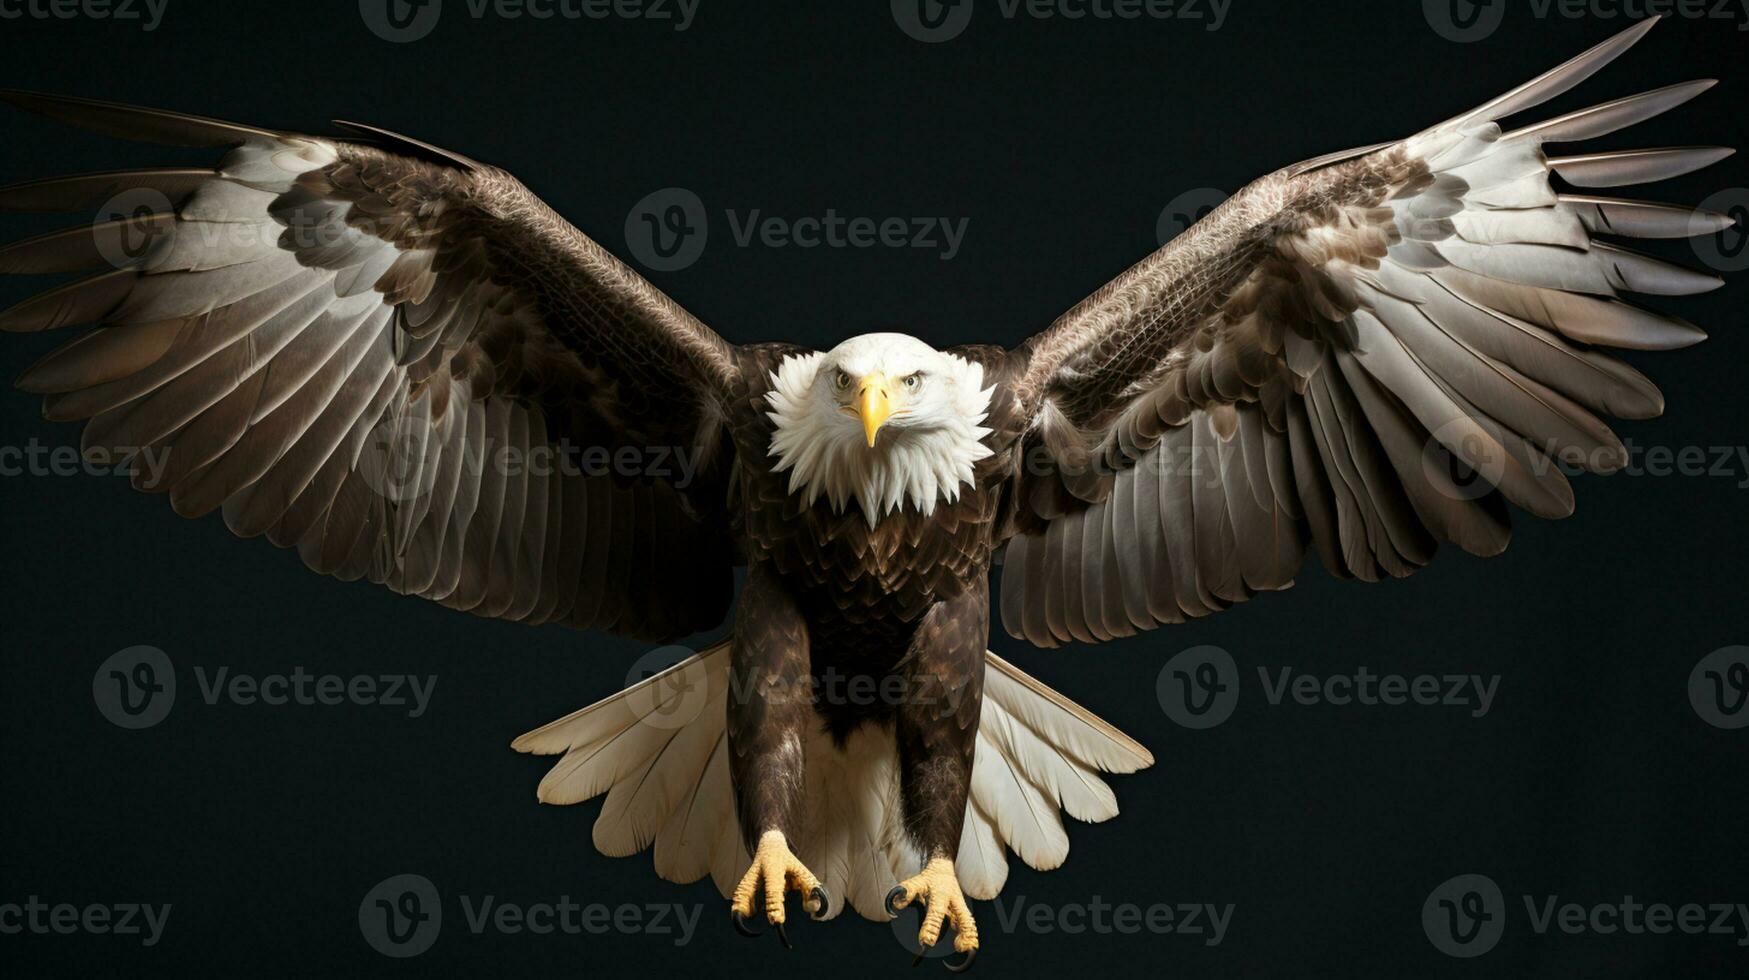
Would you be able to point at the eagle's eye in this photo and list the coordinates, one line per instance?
(841, 380)
(913, 380)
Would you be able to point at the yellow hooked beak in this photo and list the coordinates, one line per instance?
(875, 405)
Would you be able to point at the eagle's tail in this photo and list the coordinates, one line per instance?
(657, 749)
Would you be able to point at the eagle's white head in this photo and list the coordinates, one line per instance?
(882, 419)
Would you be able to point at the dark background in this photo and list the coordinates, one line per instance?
(1061, 142)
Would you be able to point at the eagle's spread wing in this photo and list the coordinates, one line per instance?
(397, 361)
(1325, 359)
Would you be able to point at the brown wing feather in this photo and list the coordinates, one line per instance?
(363, 349)
(1367, 354)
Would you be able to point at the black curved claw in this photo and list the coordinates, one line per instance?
(742, 926)
(963, 965)
(821, 903)
(784, 936)
(893, 910)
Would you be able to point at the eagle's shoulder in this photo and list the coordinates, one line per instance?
(759, 364)
(1008, 416)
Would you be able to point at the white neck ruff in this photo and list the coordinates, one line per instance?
(826, 453)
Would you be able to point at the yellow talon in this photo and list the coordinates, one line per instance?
(774, 871)
(939, 886)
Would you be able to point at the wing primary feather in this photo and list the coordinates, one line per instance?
(1601, 120)
(136, 122)
(1619, 168)
(1557, 80)
(87, 192)
(1644, 219)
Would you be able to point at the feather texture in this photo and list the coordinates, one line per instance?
(1367, 353)
(315, 334)
(657, 751)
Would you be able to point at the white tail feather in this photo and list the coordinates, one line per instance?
(657, 749)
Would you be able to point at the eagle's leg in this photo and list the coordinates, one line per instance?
(937, 730)
(770, 708)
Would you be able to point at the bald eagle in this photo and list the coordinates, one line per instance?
(401, 363)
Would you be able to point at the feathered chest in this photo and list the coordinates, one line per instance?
(884, 545)
(838, 563)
